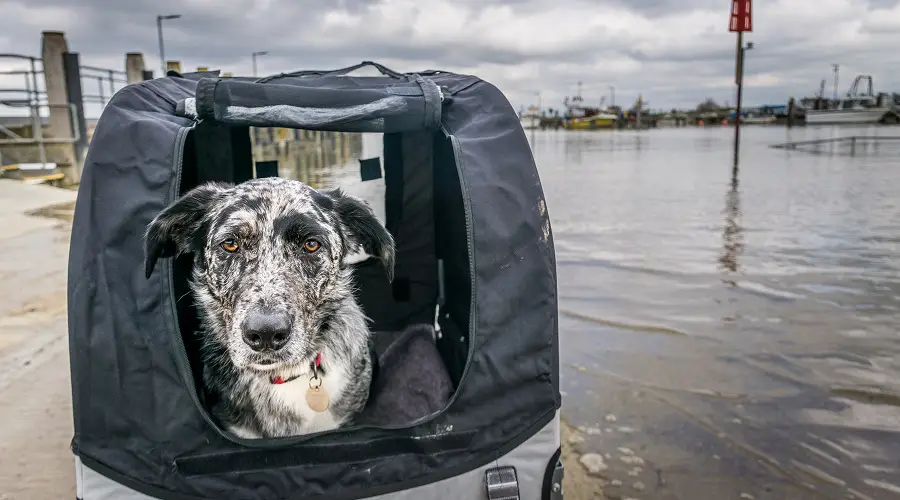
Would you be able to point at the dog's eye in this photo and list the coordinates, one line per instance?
(311, 246)
(229, 245)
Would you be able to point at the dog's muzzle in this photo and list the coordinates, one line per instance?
(266, 330)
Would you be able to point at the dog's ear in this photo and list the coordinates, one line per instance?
(172, 230)
(365, 235)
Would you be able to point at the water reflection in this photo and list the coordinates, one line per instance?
(315, 158)
(326, 160)
(732, 232)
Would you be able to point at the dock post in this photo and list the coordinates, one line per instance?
(791, 108)
(53, 50)
(75, 97)
(134, 67)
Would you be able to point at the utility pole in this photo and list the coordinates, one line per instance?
(255, 55)
(612, 96)
(162, 50)
(836, 67)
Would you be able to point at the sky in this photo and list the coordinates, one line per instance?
(675, 53)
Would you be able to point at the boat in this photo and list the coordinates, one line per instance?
(763, 115)
(581, 117)
(530, 118)
(859, 106)
(750, 119)
(600, 120)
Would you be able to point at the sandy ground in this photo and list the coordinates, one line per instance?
(35, 398)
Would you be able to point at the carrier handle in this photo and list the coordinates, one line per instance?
(343, 71)
(319, 104)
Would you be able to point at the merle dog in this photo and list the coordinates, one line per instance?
(272, 282)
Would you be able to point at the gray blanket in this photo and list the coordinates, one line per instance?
(410, 379)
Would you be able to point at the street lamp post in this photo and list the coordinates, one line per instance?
(162, 51)
(255, 55)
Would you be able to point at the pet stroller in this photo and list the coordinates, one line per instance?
(474, 255)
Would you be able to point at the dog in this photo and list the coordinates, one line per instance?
(284, 343)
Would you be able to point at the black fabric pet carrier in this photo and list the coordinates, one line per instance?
(465, 206)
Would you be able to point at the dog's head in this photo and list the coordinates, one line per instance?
(272, 262)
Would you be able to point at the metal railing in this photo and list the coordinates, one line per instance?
(30, 96)
(106, 82)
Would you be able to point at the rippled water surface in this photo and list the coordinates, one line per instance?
(727, 336)
(744, 331)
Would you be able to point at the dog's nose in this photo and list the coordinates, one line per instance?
(264, 330)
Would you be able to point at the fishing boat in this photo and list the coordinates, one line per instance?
(859, 106)
(582, 117)
(530, 118)
(600, 120)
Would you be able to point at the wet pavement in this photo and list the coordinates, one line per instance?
(35, 395)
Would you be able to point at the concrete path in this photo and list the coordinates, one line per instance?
(35, 397)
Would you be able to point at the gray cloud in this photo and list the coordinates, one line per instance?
(674, 53)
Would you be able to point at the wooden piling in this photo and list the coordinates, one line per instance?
(791, 110)
(134, 67)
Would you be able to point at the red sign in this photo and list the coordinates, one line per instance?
(741, 16)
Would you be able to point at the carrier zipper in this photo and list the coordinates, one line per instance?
(470, 246)
(183, 361)
(182, 357)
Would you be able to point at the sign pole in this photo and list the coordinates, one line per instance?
(739, 80)
(741, 20)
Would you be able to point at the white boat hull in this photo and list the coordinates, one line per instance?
(838, 116)
(530, 122)
(758, 120)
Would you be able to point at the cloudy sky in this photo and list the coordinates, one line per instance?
(674, 52)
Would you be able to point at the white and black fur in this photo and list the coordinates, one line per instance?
(269, 307)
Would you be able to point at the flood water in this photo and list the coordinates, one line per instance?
(724, 337)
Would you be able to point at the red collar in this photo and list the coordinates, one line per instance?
(278, 379)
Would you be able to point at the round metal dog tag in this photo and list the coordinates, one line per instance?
(317, 399)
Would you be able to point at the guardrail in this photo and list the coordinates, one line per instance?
(106, 81)
(32, 97)
(29, 96)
